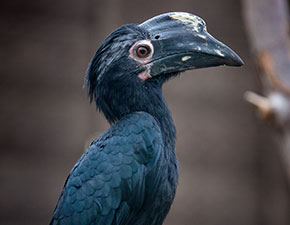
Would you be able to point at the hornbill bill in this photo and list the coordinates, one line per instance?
(128, 175)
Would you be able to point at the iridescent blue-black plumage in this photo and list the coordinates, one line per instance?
(118, 179)
(129, 174)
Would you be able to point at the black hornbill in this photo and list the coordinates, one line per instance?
(128, 175)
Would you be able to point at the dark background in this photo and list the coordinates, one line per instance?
(230, 172)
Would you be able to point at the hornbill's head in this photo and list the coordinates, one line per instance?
(128, 70)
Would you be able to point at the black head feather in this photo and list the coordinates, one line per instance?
(115, 48)
(111, 78)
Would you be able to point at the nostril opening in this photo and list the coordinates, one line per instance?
(157, 37)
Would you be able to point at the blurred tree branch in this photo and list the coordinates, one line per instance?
(267, 22)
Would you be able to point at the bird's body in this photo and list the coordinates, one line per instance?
(128, 176)
(125, 177)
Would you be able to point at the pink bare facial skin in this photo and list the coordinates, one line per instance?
(146, 74)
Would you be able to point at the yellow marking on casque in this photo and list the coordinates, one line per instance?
(202, 36)
(185, 58)
(195, 21)
(219, 52)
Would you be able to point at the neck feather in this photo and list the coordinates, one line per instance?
(163, 115)
(145, 97)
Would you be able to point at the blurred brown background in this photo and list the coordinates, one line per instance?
(230, 172)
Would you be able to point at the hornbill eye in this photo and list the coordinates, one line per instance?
(143, 51)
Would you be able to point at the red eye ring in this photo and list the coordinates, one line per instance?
(142, 51)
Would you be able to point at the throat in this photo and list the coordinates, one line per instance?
(157, 107)
(166, 124)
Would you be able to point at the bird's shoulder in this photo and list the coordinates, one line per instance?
(133, 123)
(132, 133)
(136, 136)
